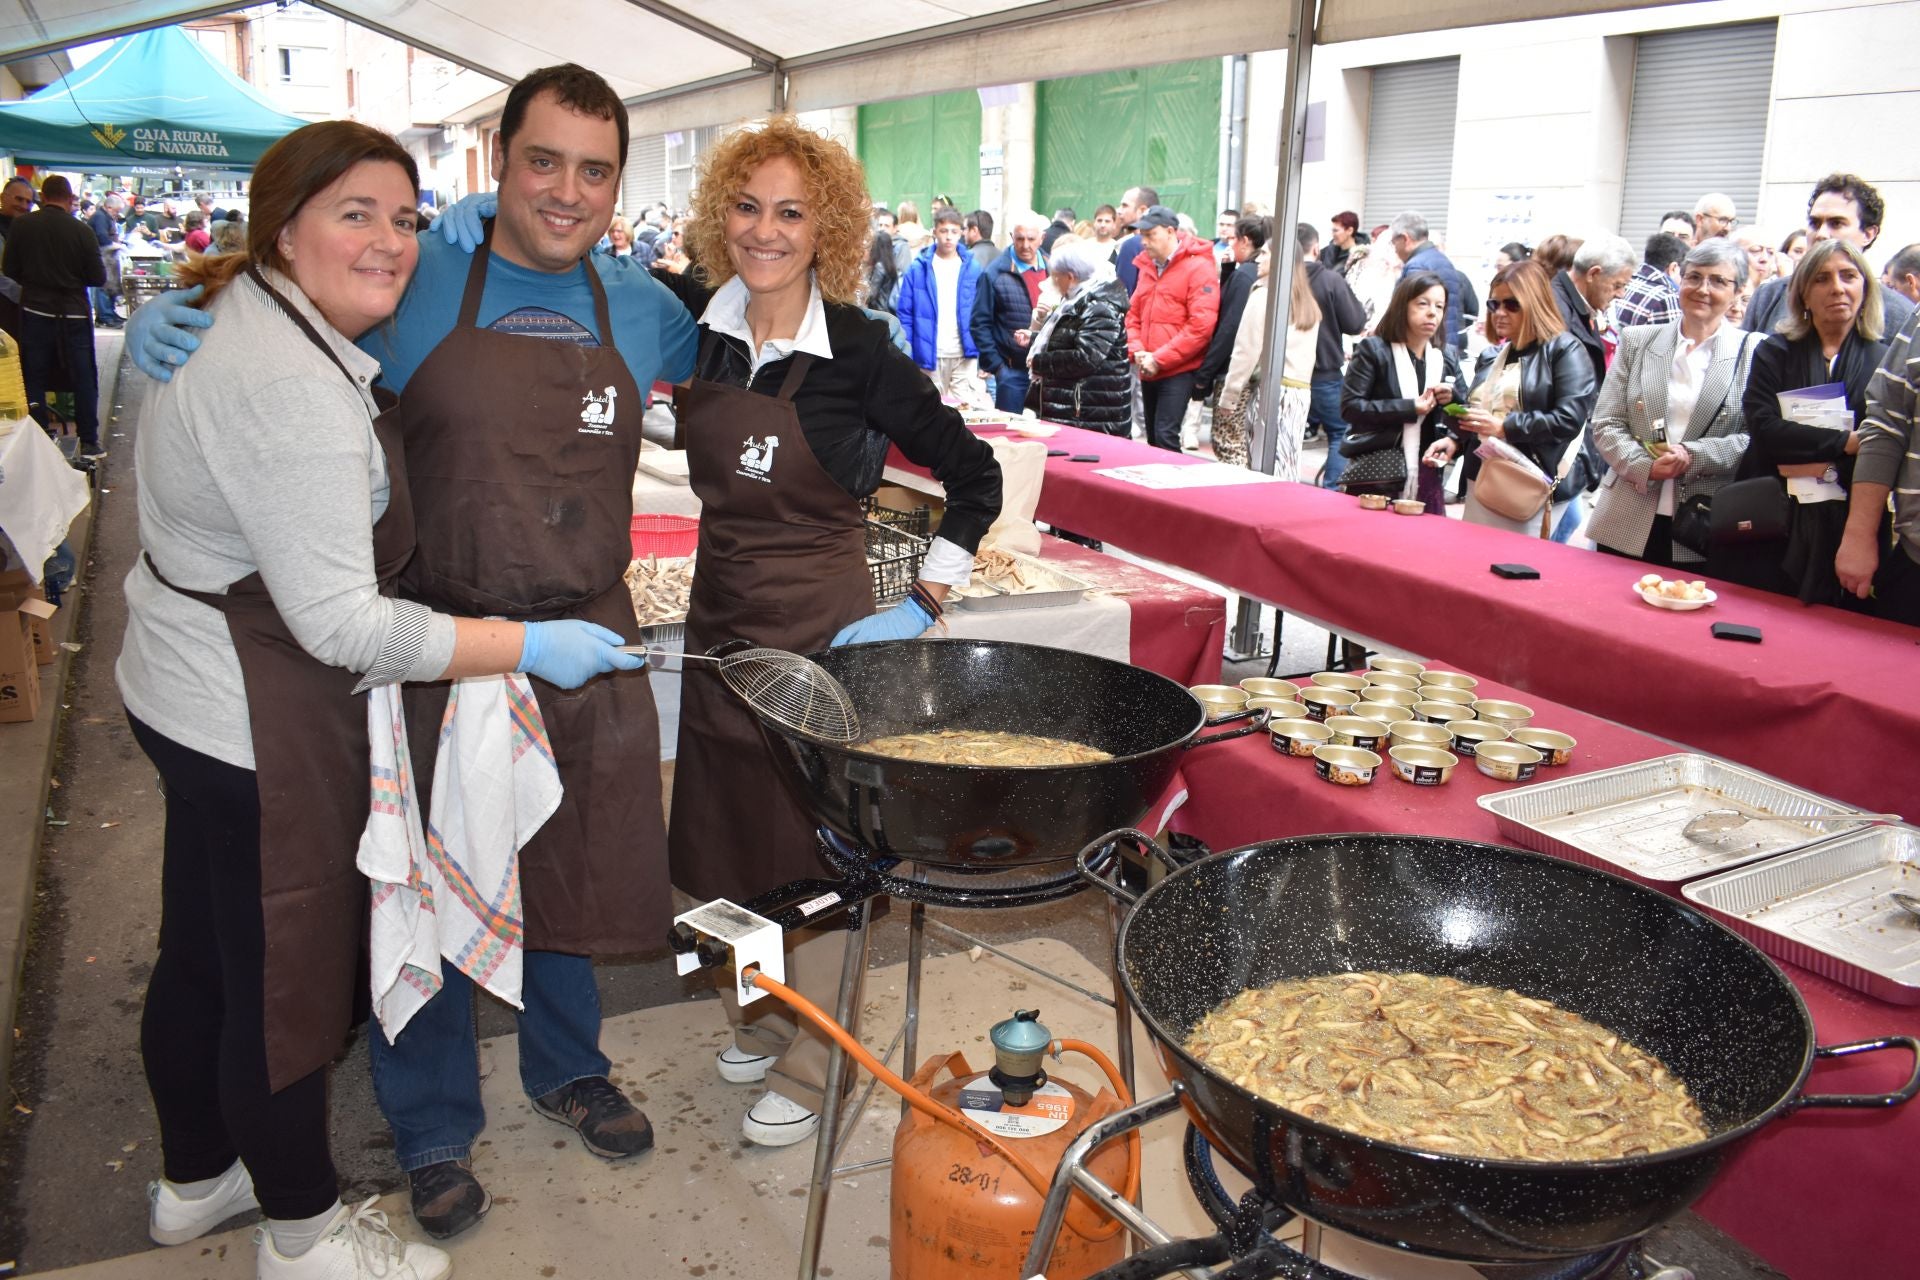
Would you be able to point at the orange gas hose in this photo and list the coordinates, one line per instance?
(921, 1102)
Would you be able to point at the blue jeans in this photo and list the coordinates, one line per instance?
(1570, 518)
(1010, 388)
(428, 1081)
(1324, 408)
(103, 309)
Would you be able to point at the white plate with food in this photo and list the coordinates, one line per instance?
(1677, 594)
(980, 419)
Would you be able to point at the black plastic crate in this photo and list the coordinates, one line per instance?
(918, 522)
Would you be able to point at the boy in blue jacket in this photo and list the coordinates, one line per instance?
(936, 299)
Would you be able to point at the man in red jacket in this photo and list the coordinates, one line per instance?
(1170, 320)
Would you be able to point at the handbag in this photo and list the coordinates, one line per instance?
(1509, 483)
(1756, 510)
(1693, 523)
(1378, 469)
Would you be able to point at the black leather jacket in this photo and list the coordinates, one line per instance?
(1080, 376)
(1376, 409)
(1557, 392)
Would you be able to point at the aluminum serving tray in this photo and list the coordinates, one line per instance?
(1072, 589)
(1827, 909)
(1628, 819)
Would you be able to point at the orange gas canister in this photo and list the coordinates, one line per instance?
(960, 1211)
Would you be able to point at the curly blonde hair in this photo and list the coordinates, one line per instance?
(836, 195)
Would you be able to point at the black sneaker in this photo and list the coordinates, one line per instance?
(609, 1125)
(447, 1198)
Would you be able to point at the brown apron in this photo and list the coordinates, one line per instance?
(783, 563)
(521, 453)
(311, 760)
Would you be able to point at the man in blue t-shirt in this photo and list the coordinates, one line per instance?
(496, 414)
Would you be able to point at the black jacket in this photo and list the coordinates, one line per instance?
(869, 395)
(1340, 314)
(1234, 288)
(1566, 296)
(1373, 403)
(1080, 376)
(55, 258)
(1001, 304)
(1557, 392)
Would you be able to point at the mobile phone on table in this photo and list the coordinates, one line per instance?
(1515, 571)
(1736, 631)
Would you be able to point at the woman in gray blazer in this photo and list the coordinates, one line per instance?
(1668, 419)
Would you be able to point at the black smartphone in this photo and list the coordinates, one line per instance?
(1515, 571)
(1056, 453)
(1736, 631)
(1084, 457)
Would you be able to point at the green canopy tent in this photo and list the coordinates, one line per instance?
(150, 102)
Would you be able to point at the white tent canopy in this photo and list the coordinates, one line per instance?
(698, 62)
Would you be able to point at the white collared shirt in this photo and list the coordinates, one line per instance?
(1684, 376)
(727, 313)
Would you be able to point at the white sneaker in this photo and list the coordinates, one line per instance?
(174, 1219)
(778, 1121)
(358, 1245)
(736, 1067)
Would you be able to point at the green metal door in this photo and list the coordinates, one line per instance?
(918, 148)
(1100, 134)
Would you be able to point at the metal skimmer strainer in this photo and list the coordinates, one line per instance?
(785, 687)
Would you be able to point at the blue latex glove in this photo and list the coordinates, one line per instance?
(159, 332)
(460, 226)
(902, 622)
(569, 652)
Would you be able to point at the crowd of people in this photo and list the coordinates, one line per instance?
(1541, 394)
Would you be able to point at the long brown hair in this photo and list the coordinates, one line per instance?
(1796, 321)
(1531, 285)
(1393, 323)
(293, 171)
(1303, 308)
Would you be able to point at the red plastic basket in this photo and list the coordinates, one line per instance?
(665, 536)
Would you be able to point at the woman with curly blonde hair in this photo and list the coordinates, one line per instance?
(797, 395)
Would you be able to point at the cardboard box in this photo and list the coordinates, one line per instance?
(16, 592)
(19, 673)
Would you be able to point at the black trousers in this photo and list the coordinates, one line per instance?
(203, 1035)
(1896, 588)
(57, 355)
(1164, 403)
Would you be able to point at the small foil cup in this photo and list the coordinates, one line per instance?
(1392, 697)
(1397, 666)
(1449, 680)
(1298, 737)
(1507, 761)
(1393, 680)
(1441, 712)
(1345, 766)
(1322, 702)
(1446, 693)
(1556, 746)
(1423, 766)
(1269, 687)
(1384, 712)
(1278, 708)
(1339, 680)
(1220, 700)
(1470, 735)
(1420, 733)
(1409, 507)
(1373, 502)
(1357, 731)
(1508, 715)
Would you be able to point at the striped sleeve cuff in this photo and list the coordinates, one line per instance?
(418, 646)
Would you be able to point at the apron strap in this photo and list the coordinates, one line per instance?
(602, 314)
(293, 313)
(212, 599)
(797, 367)
(476, 279)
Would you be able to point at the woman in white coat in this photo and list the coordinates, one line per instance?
(1668, 420)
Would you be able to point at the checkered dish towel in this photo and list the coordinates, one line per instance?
(452, 889)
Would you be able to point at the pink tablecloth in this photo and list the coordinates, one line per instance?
(1829, 700)
(1818, 1194)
